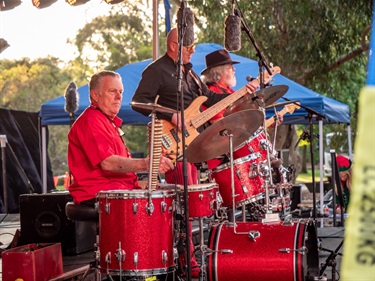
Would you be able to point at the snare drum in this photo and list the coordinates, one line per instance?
(257, 143)
(136, 232)
(263, 252)
(248, 184)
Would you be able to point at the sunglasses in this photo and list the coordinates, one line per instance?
(190, 48)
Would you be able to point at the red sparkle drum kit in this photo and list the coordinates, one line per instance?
(138, 232)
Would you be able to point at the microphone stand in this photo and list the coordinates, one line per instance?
(309, 135)
(180, 94)
(262, 63)
(262, 60)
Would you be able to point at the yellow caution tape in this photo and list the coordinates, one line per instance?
(358, 262)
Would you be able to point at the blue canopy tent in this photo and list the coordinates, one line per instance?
(52, 112)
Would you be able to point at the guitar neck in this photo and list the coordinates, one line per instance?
(210, 112)
(286, 109)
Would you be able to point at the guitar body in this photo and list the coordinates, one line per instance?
(172, 137)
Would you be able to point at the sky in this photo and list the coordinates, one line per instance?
(35, 33)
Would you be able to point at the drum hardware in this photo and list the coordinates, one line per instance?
(253, 235)
(303, 250)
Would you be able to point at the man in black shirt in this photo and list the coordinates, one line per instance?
(160, 79)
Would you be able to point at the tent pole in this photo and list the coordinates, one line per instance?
(3, 141)
(155, 27)
(321, 172)
(44, 160)
(350, 149)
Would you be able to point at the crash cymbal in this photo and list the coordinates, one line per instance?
(282, 103)
(152, 107)
(214, 141)
(254, 101)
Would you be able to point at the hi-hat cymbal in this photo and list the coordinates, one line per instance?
(253, 101)
(152, 107)
(282, 103)
(214, 141)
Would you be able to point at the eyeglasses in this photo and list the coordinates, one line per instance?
(191, 48)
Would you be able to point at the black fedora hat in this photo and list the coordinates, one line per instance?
(216, 58)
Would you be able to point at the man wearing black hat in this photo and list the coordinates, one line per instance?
(159, 79)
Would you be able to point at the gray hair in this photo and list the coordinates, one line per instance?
(213, 75)
(96, 79)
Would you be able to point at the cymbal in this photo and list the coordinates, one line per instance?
(214, 141)
(281, 103)
(152, 107)
(253, 101)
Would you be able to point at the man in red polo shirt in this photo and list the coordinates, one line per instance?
(98, 157)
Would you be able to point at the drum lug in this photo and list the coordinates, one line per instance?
(136, 258)
(150, 208)
(108, 257)
(163, 207)
(135, 207)
(253, 235)
(201, 196)
(263, 145)
(238, 173)
(245, 190)
(164, 257)
(120, 254)
(107, 208)
(175, 253)
(253, 170)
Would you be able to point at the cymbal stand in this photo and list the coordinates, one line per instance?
(230, 138)
(203, 250)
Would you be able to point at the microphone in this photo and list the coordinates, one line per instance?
(232, 35)
(71, 98)
(188, 21)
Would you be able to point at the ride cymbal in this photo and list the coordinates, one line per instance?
(214, 141)
(152, 107)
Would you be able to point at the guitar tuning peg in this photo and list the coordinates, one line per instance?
(271, 64)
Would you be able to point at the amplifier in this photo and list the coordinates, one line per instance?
(43, 220)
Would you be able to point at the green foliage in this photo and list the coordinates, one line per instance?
(320, 44)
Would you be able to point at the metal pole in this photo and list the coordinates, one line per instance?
(155, 29)
(3, 140)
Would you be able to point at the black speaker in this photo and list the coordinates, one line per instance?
(43, 220)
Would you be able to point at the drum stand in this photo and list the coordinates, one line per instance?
(331, 261)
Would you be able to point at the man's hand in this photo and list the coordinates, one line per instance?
(176, 119)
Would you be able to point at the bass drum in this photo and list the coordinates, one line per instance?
(257, 251)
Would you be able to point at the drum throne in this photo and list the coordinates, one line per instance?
(80, 212)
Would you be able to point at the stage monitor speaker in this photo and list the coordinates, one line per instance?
(43, 220)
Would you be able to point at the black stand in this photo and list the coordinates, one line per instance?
(180, 94)
(309, 135)
(262, 62)
(331, 261)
